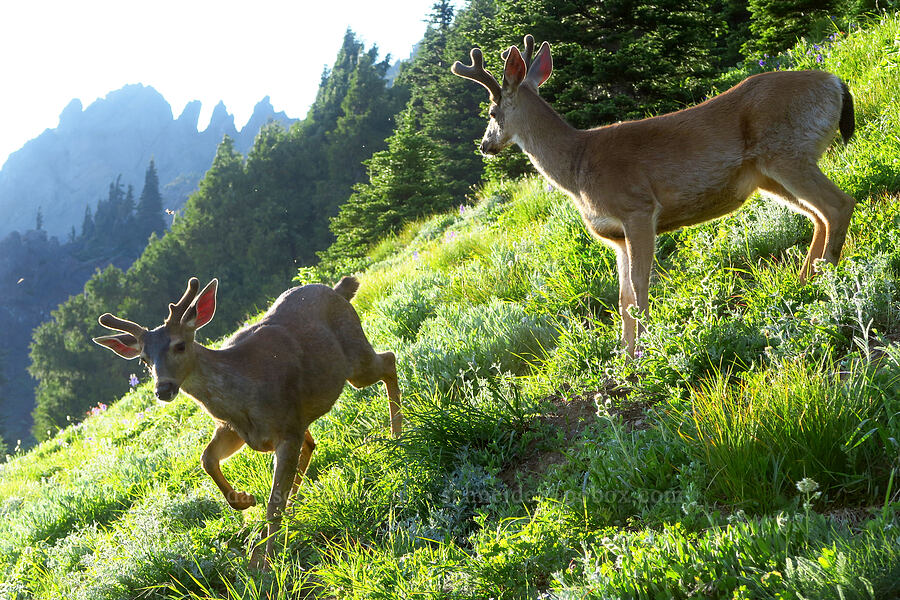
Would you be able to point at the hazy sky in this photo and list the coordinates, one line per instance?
(52, 51)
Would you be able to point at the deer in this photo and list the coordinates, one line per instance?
(266, 384)
(633, 180)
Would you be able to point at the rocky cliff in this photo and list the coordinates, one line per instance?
(66, 168)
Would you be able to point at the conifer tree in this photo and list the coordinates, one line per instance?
(405, 183)
(87, 225)
(149, 212)
(776, 25)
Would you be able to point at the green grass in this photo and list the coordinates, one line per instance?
(536, 461)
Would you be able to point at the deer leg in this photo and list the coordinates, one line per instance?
(833, 207)
(383, 367)
(817, 245)
(816, 248)
(302, 463)
(392, 386)
(626, 297)
(287, 458)
(224, 443)
(640, 241)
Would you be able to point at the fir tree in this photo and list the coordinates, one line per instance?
(776, 25)
(87, 225)
(149, 212)
(405, 183)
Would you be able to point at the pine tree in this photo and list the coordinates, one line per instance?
(776, 25)
(405, 183)
(149, 212)
(87, 225)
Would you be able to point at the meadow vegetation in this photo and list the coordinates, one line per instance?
(749, 451)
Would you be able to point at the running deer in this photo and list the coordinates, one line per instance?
(267, 383)
(635, 179)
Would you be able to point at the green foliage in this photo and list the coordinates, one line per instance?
(750, 451)
(779, 24)
(762, 435)
(73, 373)
(405, 183)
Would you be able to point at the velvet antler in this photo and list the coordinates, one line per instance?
(177, 310)
(478, 74)
(116, 324)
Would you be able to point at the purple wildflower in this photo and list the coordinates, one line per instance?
(762, 62)
(820, 58)
(99, 409)
(133, 380)
(462, 209)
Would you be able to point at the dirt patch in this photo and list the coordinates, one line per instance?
(570, 412)
(852, 518)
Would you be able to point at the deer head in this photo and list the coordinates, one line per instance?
(169, 350)
(519, 73)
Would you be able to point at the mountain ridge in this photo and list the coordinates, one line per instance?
(62, 170)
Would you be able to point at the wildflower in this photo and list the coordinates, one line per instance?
(819, 58)
(99, 409)
(450, 236)
(133, 380)
(462, 210)
(762, 62)
(807, 485)
(415, 255)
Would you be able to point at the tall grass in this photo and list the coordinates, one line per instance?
(759, 436)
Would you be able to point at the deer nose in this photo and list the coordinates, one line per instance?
(166, 390)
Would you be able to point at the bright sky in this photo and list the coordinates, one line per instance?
(52, 51)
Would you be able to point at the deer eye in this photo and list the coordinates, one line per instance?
(179, 348)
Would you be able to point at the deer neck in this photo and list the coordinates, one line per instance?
(214, 382)
(553, 145)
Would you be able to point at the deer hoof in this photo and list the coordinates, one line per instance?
(240, 500)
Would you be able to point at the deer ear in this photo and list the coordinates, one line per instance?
(541, 66)
(514, 71)
(203, 308)
(123, 344)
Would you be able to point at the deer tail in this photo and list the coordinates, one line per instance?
(347, 287)
(847, 122)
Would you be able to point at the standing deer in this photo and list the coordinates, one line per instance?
(267, 383)
(633, 180)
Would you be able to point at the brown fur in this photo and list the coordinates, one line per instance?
(633, 180)
(268, 382)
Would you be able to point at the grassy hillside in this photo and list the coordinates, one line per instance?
(749, 452)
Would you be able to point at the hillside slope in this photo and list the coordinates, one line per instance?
(749, 452)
